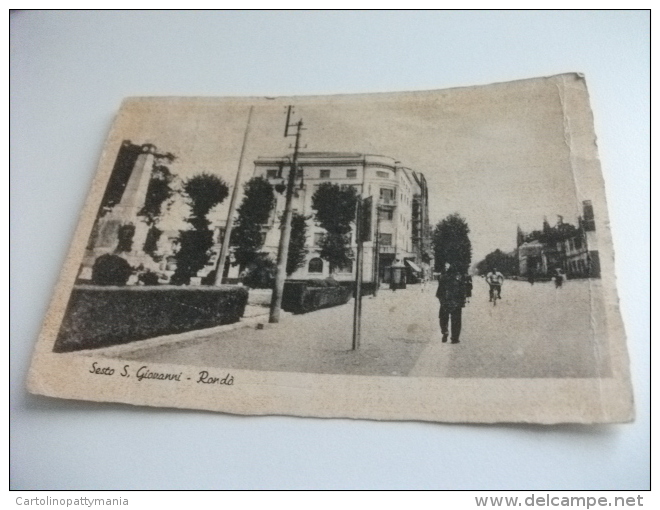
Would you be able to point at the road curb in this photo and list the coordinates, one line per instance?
(173, 339)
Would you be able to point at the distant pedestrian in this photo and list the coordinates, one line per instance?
(559, 278)
(468, 286)
(495, 279)
(453, 288)
(530, 278)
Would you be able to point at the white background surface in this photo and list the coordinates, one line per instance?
(69, 72)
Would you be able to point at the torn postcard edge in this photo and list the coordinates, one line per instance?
(440, 256)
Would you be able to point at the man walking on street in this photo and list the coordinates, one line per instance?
(452, 293)
(495, 280)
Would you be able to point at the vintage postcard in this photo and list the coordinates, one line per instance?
(439, 255)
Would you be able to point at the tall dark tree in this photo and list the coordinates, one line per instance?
(254, 211)
(334, 208)
(506, 263)
(203, 192)
(452, 244)
(297, 251)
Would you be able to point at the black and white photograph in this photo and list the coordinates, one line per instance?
(456, 234)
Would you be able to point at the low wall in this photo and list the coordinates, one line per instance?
(99, 316)
(367, 287)
(298, 297)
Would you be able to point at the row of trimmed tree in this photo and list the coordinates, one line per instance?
(334, 211)
(333, 205)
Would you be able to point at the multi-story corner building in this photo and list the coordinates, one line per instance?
(399, 223)
(421, 224)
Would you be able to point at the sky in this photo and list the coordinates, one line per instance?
(496, 154)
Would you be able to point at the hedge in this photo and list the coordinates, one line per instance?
(100, 316)
(300, 297)
(367, 287)
(111, 269)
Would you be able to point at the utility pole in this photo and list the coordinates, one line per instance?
(220, 266)
(285, 235)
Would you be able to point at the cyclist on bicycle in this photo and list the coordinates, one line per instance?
(495, 280)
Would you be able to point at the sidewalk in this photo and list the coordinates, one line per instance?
(395, 330)
(534, 331)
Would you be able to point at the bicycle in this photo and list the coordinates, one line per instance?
(495, 294)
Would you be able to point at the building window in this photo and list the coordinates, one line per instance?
(315, 265)
(387, 195)
(351, 173)
(385, 239)
(383, 175)
(325, 174)
(387, 215)
(589, 221)
(271, 174)
(318, 237)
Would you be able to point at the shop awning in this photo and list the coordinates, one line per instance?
(414, 266)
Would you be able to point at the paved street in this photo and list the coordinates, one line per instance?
(534, 331)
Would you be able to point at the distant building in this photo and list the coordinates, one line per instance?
(581, 251)
(531, 258)
(400, 218)
(421, 232)
(565, 247)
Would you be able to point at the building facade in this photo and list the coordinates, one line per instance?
(572, 250)
(581, 250)
(399, 222)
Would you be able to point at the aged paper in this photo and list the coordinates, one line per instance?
(475, 219)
